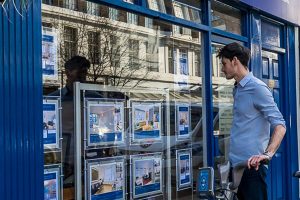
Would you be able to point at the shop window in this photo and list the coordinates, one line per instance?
(70, 42)
(92, 8)
(141, 113)
(271, 34)
(222, 107)
(226, 18)
(94, 47)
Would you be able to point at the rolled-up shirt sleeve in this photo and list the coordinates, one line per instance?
(264, 102)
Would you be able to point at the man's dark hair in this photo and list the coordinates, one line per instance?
(235, 49)
(77, 62)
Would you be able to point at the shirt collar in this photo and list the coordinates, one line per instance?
(246, 79)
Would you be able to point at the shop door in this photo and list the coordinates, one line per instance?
(271, 74)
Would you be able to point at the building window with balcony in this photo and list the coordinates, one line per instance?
(70, 42)
(197, 64)
(94, 47)
(183, 62)
(148, 22)
(92, 8)
(187, 12)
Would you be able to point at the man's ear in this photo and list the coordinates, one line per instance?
(235, 60)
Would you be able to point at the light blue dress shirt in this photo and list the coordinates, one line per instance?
(254, 113)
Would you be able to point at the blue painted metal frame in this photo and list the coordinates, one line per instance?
(291, 116)
(21, 103)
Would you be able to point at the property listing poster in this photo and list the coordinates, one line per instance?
(147, 175)
(146, 121)
(51, 185)
(49, 54)
(183, 121)
(50, 123)
(106, 122)
(106, 179)
(184, 173)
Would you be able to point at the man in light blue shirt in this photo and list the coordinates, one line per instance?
(254, 113)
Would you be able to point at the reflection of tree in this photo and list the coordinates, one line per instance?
(121, 54)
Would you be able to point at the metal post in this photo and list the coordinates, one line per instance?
(77, 142)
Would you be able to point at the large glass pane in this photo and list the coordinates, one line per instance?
(222, 108)
(226, 18)
(140, 113)
(271, 33)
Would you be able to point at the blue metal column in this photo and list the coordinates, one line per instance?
(21, 149)
(291, 116)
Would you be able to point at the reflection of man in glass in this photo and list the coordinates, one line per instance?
(253, 114)
(76, 69)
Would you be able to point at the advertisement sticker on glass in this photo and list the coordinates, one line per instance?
(105, 123)
(183, 120)
(52, 184)
(106, 179)
(50, 124)
(184, 169)
(49, 54)
(146, 121)
(146, 175)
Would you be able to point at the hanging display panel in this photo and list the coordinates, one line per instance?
(183, 120)
(146, 175)
(49, 54)
(52, 183)
(105, 123)
(51, 124)
(184, 169)
(106, 179)
(146, 121)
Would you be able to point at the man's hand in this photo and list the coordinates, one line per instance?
(254, 161)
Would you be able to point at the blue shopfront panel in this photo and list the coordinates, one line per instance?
(21, 150)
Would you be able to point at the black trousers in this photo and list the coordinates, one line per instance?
(253, 185)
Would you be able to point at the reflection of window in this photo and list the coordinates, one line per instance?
(70, 42)
(151, 55)
(113, 14)
(216, 62)
(197, 65)
(225, 17)
(183, 62)
(129, 1)
(148, 22)
(115, 51)
(133, 53)
(70, 4)
(186, 12)
(92, 8)
(93, 47)
(172, 56)
(157, 5)
(132, 18)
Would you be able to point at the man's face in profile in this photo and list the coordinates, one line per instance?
(76, 75)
